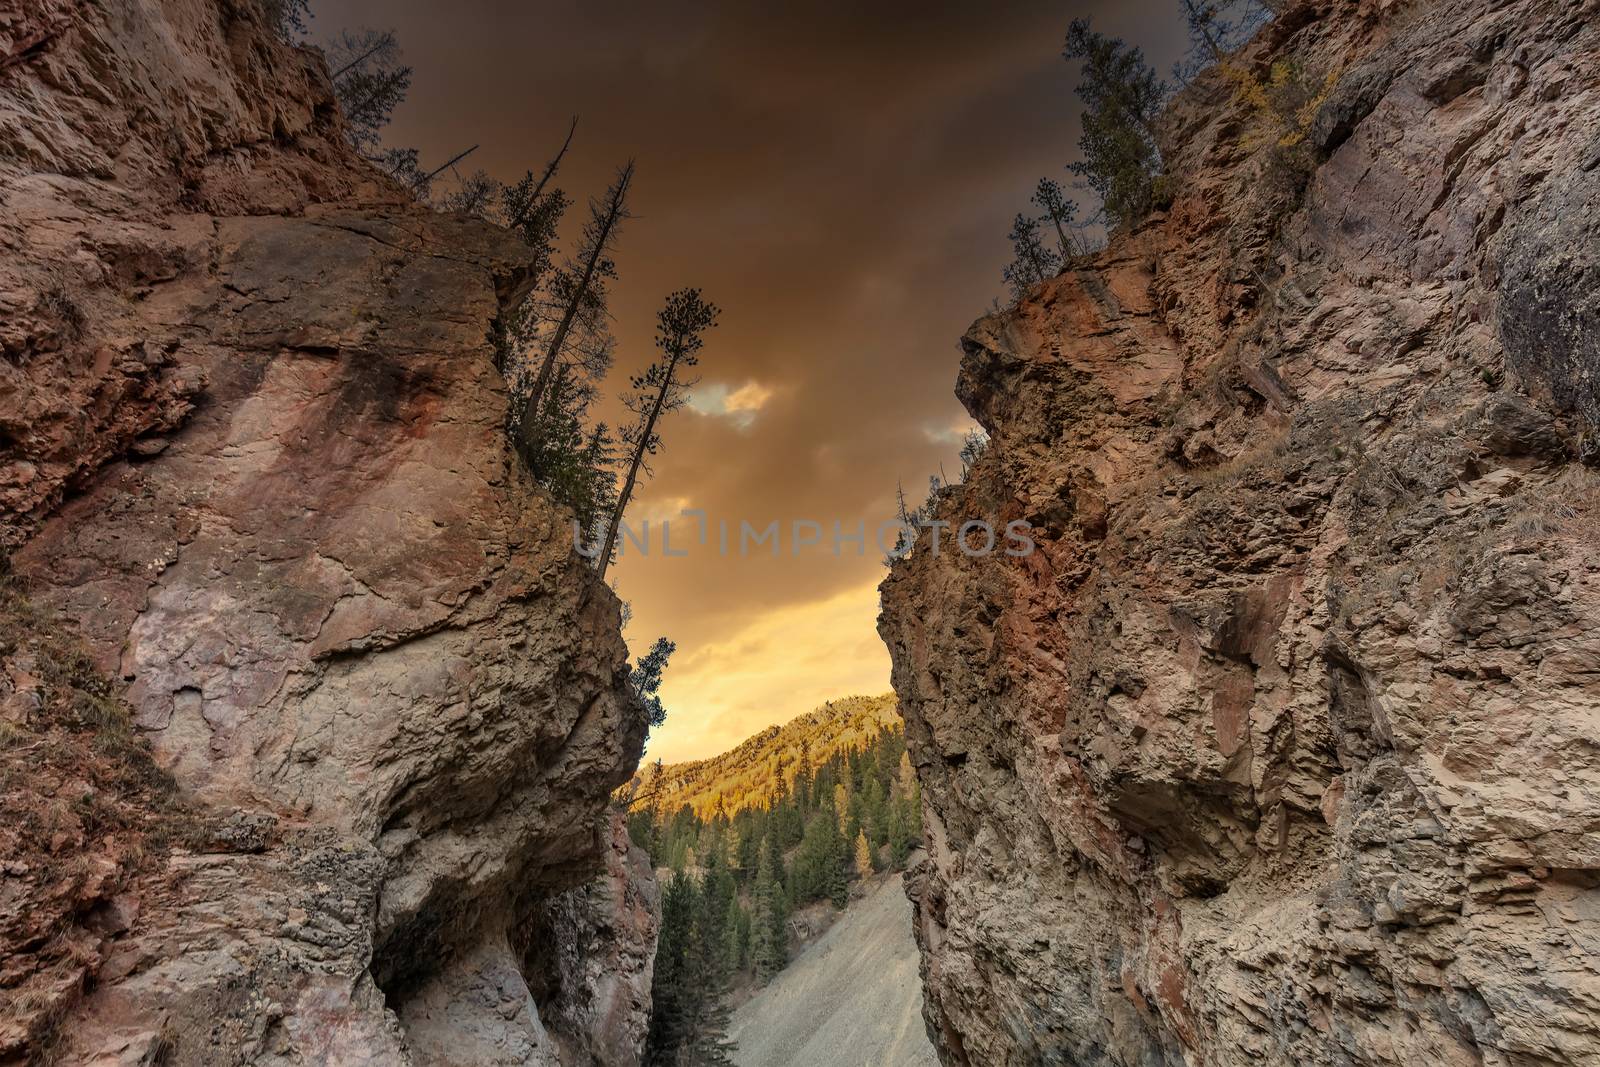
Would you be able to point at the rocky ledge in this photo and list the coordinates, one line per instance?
(1280, 749)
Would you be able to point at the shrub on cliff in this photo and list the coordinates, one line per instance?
(289, 17)
(1280, 103)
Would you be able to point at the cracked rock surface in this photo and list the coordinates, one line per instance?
(1280, 747)
(252, 448)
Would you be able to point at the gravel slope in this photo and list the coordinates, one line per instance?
(851, 999)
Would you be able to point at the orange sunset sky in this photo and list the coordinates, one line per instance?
(839, 177)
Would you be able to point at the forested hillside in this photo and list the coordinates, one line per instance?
(750, 775)
(739, 874)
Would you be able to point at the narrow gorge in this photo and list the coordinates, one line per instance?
(1266, 731)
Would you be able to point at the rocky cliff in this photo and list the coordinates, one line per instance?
(252, 468)
(1280, 748)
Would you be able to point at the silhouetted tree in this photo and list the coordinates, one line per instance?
(474, 195)
(370, 81)
(1122, 98)
(534, 210)
(645, 677)
(973, 445)
(1034, 261)
(526, 203)
(680, 328)
(580, 285)
(1060, 212)
(1216, 28)
(568, 459)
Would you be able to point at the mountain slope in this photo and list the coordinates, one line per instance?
(749, 775)
(852, 999)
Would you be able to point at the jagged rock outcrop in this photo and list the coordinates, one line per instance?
(252, 449)
(1279, 749)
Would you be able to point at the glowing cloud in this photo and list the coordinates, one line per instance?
(951, 433)
(739, 406)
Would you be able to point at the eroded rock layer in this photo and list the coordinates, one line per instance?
(1280, 748)
(251, 447)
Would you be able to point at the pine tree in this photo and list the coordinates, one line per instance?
(369, 81)
(1060, 212)
(831, 858)
(534, 209)
(662, 388)
(582, 284)
(549, 432)
(670, 1011)
(838, 884)
(863, 857)
(750, 848)
(772, 849)
(769, 947)
(802, 780)
(1122, 97)
(736, 937)
(875, 816)
(689, 1013)
(569, 462)
(645, 678)
(706, 1036)
(899, 834)
(1033, 261)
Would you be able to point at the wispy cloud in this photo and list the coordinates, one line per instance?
(738, 405)
(949, 433)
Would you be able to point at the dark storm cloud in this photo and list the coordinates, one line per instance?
(839, 177)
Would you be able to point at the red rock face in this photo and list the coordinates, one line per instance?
(252, 447)
(1277, 749)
